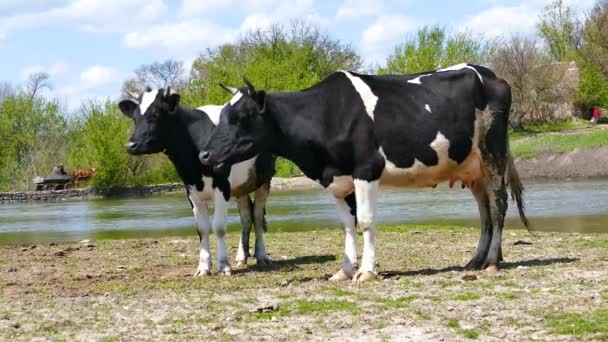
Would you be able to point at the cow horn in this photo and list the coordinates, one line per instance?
(132, 95)
(249, 85)
(231, 90)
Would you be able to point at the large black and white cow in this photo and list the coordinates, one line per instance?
(162, 125)
(351, 132)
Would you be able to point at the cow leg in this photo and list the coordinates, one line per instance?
(219, 229)
(498, 200)
(346, 213)
(261, 195)
(203, 225)
(244, 203)
(366, 195)
(481, 196)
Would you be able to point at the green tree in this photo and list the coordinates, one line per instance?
(592, 89)
(557, 27)
(432, 48)
(31, 135)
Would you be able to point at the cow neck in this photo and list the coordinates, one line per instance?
(181, 148)
(289, 140)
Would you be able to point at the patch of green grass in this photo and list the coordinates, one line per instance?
(339, 292)
(304, 307)
(467, 296)
(530, 148)
(422, 315)
(423, 227)
(508, 295)
(579, 324)
(108, 339)
(6, 314)
(597, 242)
(470, 333)
(396, 303)
(545, 128)
(111, 287)
(604, 294)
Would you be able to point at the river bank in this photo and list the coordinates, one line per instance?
(576, 165)
(552, 287)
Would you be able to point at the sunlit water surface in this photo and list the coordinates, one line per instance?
(564, 206)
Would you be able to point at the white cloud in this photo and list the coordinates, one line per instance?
(91, 15)
(379, 39)
(54, 70)
(501, 20)
(192, 8)
(353, 9)
(189, 35)
(522, 17)
(98, 75)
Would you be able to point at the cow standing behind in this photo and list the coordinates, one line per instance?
(350, 132)
(162, 125)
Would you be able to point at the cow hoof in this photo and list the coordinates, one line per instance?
(225, 273)
(201, 273)
(340, 276)
(474, 264)
(492, 268)
(263, 261)
(240, 264)
(360, 276)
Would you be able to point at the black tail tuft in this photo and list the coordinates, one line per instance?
(517, 190)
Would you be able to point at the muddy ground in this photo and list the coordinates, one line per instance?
(551, 287)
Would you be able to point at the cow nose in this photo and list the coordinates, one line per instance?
(131, 145)
(205, 157)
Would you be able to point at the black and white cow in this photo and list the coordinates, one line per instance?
(351, 132)
(162, 125)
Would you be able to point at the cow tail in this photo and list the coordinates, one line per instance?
(517, 190)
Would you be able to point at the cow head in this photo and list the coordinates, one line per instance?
(152, 112)
(243, 130)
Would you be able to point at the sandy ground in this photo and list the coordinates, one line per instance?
(578, 164)
(552, 287)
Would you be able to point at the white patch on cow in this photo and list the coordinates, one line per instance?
(350, 246)
(366, 194)
(220, 214)
(428, 108)
(241, 172)
(147, 98)
(418, 80)
(236, 98)
(213, 112)
(341, 186)
(199, 201)
(419, 174)
(460, 67)
(367, 96)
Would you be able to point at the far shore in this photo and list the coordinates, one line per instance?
(577, 165)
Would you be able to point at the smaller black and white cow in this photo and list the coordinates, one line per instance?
(161, 124)
(351, 132)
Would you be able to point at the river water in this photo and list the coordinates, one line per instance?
(564, 206)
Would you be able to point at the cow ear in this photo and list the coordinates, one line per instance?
(127, 107)
(173, 102)
(260, 99)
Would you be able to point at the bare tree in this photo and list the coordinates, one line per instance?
(533, 79)
(6, 90)
(36, 82)
(156, 75)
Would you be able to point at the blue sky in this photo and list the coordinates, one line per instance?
(91, 46)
